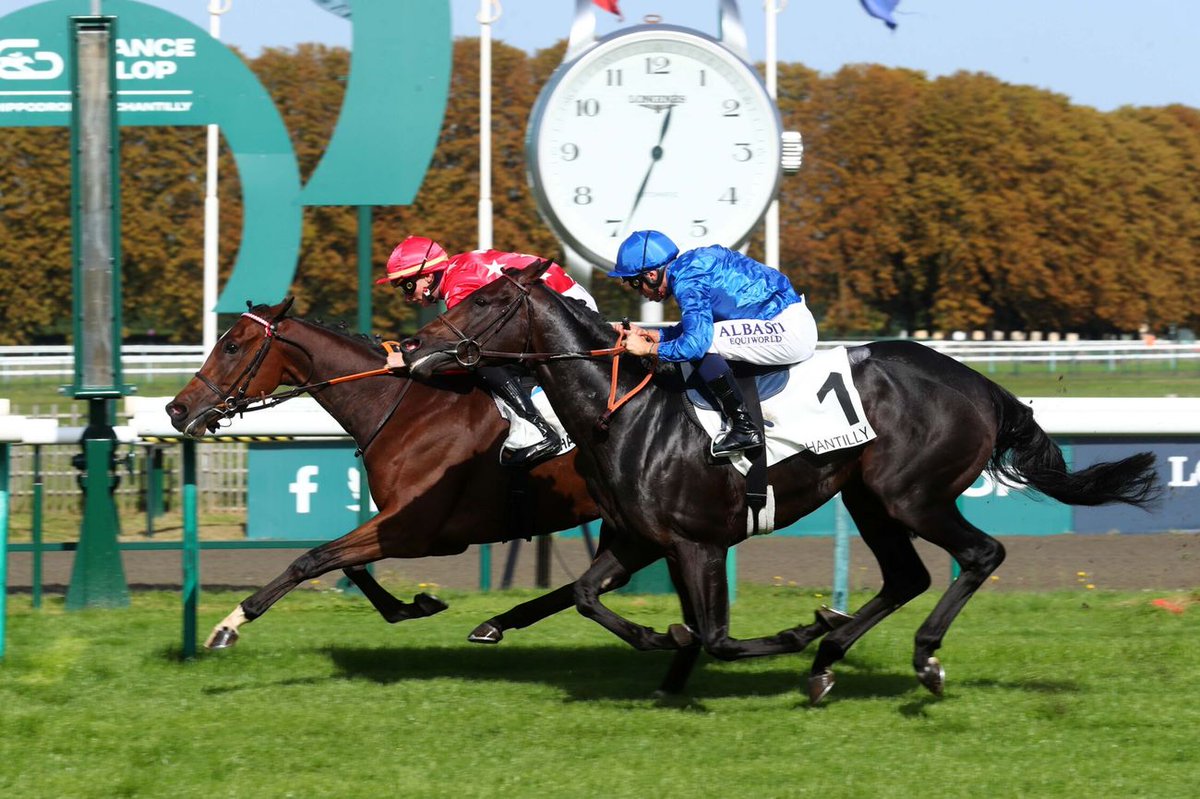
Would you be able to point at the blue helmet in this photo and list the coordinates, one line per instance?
(644, 249)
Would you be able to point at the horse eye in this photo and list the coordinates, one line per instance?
(480, 301)
(231, 347)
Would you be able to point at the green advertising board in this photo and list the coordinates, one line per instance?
(302, 491)
(170, 72)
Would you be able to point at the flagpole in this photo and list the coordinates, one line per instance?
(486, 18)
(771, 9)
(212, 226)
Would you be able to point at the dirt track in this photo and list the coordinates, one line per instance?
(1164, 562)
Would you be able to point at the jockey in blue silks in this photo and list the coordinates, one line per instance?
(731, 307)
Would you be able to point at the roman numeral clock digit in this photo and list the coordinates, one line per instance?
(654, 126)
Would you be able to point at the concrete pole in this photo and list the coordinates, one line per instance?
(771, 10)
(212, 225)
(486, 17)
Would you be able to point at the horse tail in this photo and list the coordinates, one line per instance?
(1025, 454)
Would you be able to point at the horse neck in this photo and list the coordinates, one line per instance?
(355, 404)
(579, 388)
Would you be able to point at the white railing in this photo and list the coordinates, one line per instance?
(148, 360)
(145, 360)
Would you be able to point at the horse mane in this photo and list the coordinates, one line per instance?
(667, 373)
(340, 327)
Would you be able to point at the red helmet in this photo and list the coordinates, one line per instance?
(414, 257)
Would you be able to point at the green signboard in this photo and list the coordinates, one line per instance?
(171, 72)
(308, 491)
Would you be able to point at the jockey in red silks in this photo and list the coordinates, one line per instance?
(425, 275)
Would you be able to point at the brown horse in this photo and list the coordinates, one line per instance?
(939, 423)
(431, 454)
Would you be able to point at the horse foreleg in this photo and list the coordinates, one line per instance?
(607, 573)
(391, 609)
(684, 660)
(523, 615)
(356, 548)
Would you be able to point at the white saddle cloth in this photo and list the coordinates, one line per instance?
(795, 419)
(819, 410)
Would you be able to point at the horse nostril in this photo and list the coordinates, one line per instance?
(411, 344)
(176, 410)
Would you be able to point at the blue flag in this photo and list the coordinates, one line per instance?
(882, 9)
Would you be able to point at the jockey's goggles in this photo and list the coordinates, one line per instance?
(642, 278)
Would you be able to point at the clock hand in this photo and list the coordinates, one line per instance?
(656, 154)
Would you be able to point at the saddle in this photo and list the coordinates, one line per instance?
(763, 381)
(812, 408)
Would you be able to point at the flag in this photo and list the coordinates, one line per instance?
(339, 7)
(610, 6)
(880, 9)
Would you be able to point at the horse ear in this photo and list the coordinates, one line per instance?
(283, 308)
(535, 270)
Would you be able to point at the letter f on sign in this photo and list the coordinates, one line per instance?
(304, 488)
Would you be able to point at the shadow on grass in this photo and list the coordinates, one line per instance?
(599, 673)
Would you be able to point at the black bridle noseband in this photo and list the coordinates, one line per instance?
(234, 401)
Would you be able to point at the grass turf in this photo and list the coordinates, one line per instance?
(1064, 694)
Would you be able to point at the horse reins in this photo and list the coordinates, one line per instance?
(468, 351)
(231, 405)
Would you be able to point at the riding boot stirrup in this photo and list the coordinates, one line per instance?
(743, 434)
(517, 399)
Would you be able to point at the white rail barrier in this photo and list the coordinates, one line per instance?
(304, 418)
(169, 359)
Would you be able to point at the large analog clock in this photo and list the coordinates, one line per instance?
(653, 127)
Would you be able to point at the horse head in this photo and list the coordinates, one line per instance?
(491, 323)
(245, 364)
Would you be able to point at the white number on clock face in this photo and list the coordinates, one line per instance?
(658, 134)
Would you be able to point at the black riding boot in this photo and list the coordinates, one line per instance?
(505, 383)
(743, 434)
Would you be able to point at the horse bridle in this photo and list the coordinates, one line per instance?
(235, 401)
(469, 349)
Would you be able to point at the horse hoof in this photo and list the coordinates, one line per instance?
(667, 698)
(428, 604)
(682, 635)
(222, 638)
(486, 633)
(831, 619)
(819, 686)
(933, 676)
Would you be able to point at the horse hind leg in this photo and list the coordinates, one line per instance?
(978, 555)
(904, 577)
(390, 608)
(356, 548)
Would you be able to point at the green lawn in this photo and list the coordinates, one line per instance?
(1059, 695)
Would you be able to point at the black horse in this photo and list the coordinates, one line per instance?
(939, 425)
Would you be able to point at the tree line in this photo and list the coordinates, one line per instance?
(960, 202)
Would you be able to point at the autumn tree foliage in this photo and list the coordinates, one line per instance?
(960, 202)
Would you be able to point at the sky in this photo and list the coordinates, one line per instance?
(1102, 53)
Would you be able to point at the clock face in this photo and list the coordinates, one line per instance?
(658, 128)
